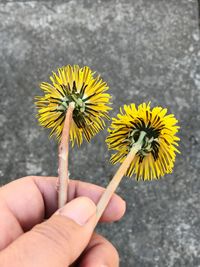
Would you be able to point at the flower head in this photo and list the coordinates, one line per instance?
(157, 154)
(87, 91)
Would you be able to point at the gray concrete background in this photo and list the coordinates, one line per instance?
(146, 51)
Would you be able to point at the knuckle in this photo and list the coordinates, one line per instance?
(114, 253)
(116, 256)
(109, 248)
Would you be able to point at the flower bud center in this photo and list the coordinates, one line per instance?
(79, 103)
(149, 144)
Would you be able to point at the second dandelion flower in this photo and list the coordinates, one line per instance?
(159, 143)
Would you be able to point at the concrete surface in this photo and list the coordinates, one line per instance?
(146, 51)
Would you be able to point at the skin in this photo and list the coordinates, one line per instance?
(33, 233)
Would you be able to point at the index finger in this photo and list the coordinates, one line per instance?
(33, 199)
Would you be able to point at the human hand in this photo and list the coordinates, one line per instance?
(34, 234)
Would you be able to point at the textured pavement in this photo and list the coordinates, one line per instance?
(146, 51)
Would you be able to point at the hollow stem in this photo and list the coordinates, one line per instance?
(63, 153)
(105, 198)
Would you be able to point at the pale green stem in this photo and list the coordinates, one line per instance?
(63, 153)
(105, 198)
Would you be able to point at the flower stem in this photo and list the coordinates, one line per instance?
(63, 152)
(105, 198)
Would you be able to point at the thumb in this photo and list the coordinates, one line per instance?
(56, 242)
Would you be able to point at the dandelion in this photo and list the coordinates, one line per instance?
(157, 154)
(145, 142)
(87, 91)
(74, 106)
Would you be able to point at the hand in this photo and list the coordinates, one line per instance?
(33, 233)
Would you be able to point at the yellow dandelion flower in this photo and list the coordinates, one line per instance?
(86, 90)
(157, 154)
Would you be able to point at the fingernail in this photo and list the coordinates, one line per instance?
(79, 210)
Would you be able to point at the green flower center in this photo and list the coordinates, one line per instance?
(149, 143)
(79, 103)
